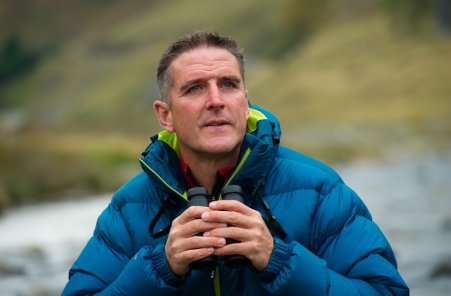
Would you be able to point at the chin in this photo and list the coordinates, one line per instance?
(219, 150)
(222, 148)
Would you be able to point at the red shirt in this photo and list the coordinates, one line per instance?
(191, 182)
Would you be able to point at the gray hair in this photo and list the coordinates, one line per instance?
(189, 42)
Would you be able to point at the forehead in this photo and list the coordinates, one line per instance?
(204, 61)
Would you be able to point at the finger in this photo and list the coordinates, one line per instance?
(258, 254)
(197, 242)
(177, 250)
(244, 249)
(193, 228)
(189, 256)
(179, 262)
(190, 214)
(230, 218)
(199, 226)
(235, 233)
(231, 205)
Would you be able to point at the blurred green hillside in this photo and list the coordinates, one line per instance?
(348, 79)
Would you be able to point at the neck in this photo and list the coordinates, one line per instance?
(205, 169)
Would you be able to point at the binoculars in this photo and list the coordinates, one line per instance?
(198, 196)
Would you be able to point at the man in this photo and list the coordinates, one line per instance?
(302, 230)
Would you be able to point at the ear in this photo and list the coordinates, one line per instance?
(247, 104)
(164, 115)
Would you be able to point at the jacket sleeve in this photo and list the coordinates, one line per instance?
(106, 267)
(349, 255)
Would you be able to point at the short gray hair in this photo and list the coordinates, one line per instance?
(190, 42)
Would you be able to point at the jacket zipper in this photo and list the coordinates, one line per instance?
(184, 196)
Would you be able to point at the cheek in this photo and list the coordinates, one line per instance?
(243, 122)
(184, 119)
(245, 111)
(179, 123)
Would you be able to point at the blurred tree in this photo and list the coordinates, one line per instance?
(306, 15)
(14, 59)
(302, 18)
(443, 15)
(408, 16)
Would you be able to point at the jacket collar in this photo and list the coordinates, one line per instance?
(160, 160)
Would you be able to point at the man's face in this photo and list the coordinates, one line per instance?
(209, 107)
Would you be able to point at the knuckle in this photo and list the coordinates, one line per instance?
(180, 258)
(235, 203)
(190, 256)
(189, 212)
(254, 245)
(257, 213)
(233, 217)
(192, 211)
(261, 224)
(193, 242)
(174, 232)
(261, 234)
(175, 223)
(259, 217)
(233, 231)
(228, 231)
(195, 226)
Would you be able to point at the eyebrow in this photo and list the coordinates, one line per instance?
(231, 78)
(187, 84)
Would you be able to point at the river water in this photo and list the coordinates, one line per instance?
(410, 199)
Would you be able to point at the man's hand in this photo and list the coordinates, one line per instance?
(185, 246)
(244, 225)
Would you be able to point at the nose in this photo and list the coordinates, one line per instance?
(214, 99)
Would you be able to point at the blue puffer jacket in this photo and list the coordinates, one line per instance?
(331, 246)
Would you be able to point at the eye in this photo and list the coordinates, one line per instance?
(229, 84)
(193, 88)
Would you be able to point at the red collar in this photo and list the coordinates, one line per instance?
(223, 173)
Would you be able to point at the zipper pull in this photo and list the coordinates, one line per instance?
(212, 276)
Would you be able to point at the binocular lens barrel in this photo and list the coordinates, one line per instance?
(234, 192)
(198, 196)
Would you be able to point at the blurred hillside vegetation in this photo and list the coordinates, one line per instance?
(349, 80)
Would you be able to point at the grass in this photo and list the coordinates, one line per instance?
(38, 165)
(342, 77)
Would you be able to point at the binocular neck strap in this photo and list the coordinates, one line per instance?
(169, 202)
(273, 225)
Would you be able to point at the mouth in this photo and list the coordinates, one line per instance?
(216, 122)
